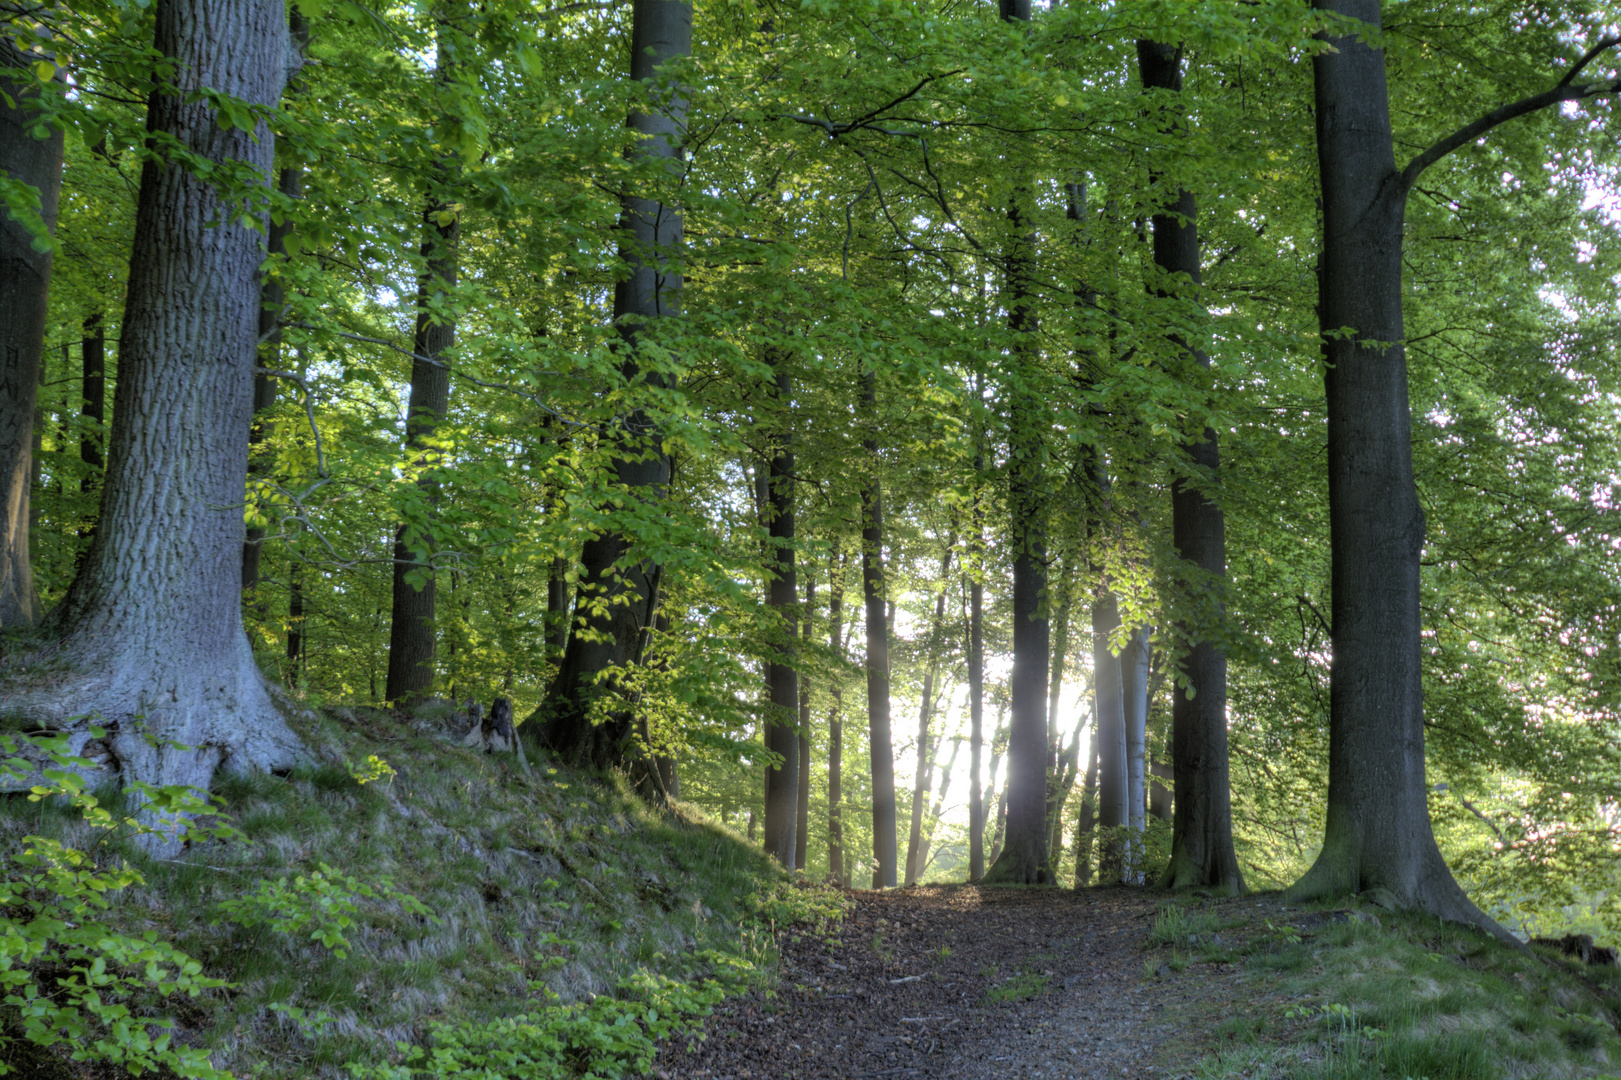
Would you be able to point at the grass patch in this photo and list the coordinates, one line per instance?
(1021, 987)
(449, 896)
(1343, 995)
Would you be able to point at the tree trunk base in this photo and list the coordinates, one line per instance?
(168, 719)
(1426, 886)
(1184, 872)
(1015, 867)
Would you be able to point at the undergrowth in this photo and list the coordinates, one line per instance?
(403, 907)
(1301, 994)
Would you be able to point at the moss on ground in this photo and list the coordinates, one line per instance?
(548, 884)
(1282, 991)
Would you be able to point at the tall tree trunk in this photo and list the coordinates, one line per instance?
(1108, 703)
(150, 634)
(1378, 833)
(1086, 818)
(412, 636)
(925, 714)
(782, 675)
(295, 623)
(273, 294)
(616, 597)
(25, 281)
(1023, 858)
(1202, 853)
(836, 870)
(1134, 711)
(872, 584)
(976, 689)
(557, 607)
(802, 818)
(939, 808)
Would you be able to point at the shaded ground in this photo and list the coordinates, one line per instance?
(953, 982)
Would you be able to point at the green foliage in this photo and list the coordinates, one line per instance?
(70, 978)
(322, 903)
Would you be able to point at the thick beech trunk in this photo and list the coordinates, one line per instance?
(1023, 858)
(836, 870)
(782, 677)
(1202, 831)
(25, 281)
(411, 636)
(878, 733)
(149, 637)
(585, 719)
(1378, 834)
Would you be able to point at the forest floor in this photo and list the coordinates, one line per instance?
(967, 983)
(954, 982)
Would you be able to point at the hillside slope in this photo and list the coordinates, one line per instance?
(400, 886)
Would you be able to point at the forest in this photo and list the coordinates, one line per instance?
(1169, 444)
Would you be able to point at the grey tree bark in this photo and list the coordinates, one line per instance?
(411, 637)
(583, 719)
(1378, 834)
(976, 687)
(782, 675)
(149, 637)
(879, 742)
(1134, 710)
(1023, 858)
(1202, 853)
(836, 870)
(925, 714)
(25, 281)
(802, 815)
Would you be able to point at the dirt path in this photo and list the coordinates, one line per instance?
(956, 982)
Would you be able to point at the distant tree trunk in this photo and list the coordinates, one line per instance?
(557, 607)
(925, 714)
(1134, 710)
(615, 598)
(1108, 696)
(295, 622)
(836, 870)
(878, 734)
(782, 676)
(1066, 763)
(25, 281)
(1086, 818)
(93, 365)
(1378, 833)
(149, 636)
(939, 808)
(1023, 858)
(802, 818)
(273, 298)
(412, 635)
(976, 689)
(1159, 790)
(1000, 792)
(1202, 853)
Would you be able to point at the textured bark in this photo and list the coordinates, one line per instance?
(878, 733)
(585, 719)
(25, 280)
(925, 714)
(1202, 853)
(411, 635)
(836, 870)
(1378, 833)
(1023, 858)
(149, 636)
(782, 676)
